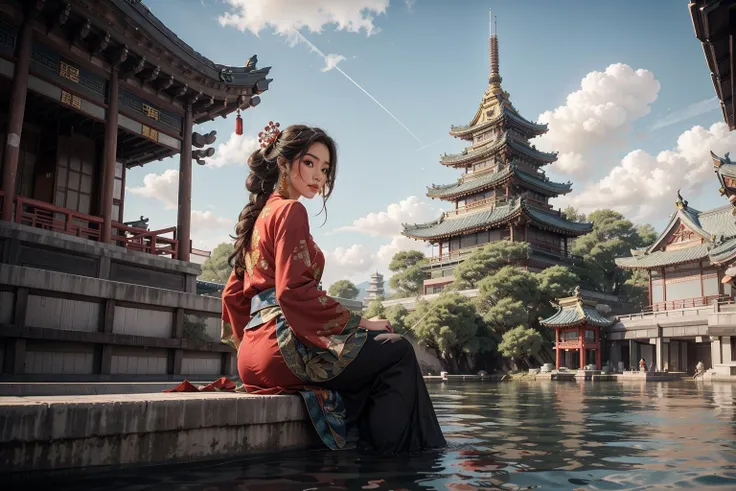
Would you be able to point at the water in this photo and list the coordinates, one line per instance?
(509, 436)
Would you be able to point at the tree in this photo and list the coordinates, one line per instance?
(635, 290)
(520, 344)
(408, 276)
(450, 326)
(343, 289)
(612, 236)
(573, 214)
(397, 316)
(485, 261)
(375, 309)
(216, 268)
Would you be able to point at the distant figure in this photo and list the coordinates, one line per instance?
(699, 369)
(642, 365)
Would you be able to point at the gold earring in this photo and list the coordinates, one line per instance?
(283, 188)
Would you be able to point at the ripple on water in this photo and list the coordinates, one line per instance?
(506, 436)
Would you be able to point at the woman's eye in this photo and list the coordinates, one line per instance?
(326, 171)
(308, 163)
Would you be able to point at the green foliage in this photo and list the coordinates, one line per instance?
(613, 236)
(573, 215)
(397, 315)
(485, 261)
(635, 290)
(195, 329)
(520, 343)
(408, 276)
(374, 309)
(215, 268)
(344, 289)
(450, 326)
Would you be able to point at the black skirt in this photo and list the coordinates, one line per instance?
(386, 399)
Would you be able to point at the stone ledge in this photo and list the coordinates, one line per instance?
(68, 432)
(46, 280)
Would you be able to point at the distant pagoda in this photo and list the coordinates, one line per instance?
(503, 193)
(375, 288)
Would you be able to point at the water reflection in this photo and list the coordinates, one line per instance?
(510, 436)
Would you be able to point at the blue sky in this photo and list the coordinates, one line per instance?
(426, 61)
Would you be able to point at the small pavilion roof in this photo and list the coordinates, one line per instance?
(469, 184)
(576, 311)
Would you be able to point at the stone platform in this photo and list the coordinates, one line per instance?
(43, 435)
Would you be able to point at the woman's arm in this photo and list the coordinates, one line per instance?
(235, 311)
(311, 314)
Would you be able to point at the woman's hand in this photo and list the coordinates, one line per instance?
(376, 325)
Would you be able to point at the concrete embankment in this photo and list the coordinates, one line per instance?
(43, 434)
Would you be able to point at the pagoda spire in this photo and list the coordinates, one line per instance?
(494, 78)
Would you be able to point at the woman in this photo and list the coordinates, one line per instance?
(353, 373)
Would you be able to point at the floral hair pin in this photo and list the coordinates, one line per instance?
(269, 134)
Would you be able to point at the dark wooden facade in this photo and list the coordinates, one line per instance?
(90, 89)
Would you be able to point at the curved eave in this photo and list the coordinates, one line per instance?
(576, 316)
(548, 188)
(686, 215)
(467, 159)
(511, 215)
(660, 259)
(723, 253)
(451, 191)
(546, 221)
(535, 154)
(529, 128)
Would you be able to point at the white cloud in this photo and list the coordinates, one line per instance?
(331, 61)
(643, 185)
(357, 261)
(163, 187)
(235, 150)
(690, 111)
(388, 223)
(206, 220)
(598, 115)
(287, 16)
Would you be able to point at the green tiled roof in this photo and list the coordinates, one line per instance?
(553, 220)
(723, 252)
(575, 315)
(492, 146)
(453, 225)
(723, 165)
(664, 258)
(486, 218)
(535, 128)
(470, 185)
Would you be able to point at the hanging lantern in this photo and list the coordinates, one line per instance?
(238, 124)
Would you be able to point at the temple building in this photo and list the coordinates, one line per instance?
(503, 193)
(375, 288)
(577, 324)
(90, 89)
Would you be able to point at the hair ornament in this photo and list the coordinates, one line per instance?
(269, 134)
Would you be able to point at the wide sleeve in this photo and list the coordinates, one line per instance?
(308, 309)
(235, 311)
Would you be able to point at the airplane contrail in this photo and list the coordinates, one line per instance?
(318, 51)
(428, 145)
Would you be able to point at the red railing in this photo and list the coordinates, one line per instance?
(686, 303)
(44, 215)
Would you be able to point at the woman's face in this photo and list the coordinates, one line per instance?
(308, 175)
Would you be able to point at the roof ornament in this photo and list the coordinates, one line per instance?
(576, 292)
(226, 75)
(250, 64)
(269, 134)
(681, 203)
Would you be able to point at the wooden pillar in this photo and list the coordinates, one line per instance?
(111, 150)
(511, 231)
(440, 249)
(184, 217)
(18, 92)
(557, 350)
(598, 350)
(581, 337)
(649, 272)
(702, 288)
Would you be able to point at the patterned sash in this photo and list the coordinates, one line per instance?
(313, 365)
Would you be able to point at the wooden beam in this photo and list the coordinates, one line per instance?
(83, 31)
(152, 75)
(60, 19)
(163, 85)
(102, 43)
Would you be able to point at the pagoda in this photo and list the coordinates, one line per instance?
(375, 288)
(503, 193)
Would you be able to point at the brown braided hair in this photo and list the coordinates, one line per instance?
(291, 145)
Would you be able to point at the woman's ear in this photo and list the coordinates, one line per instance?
(282, 164)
